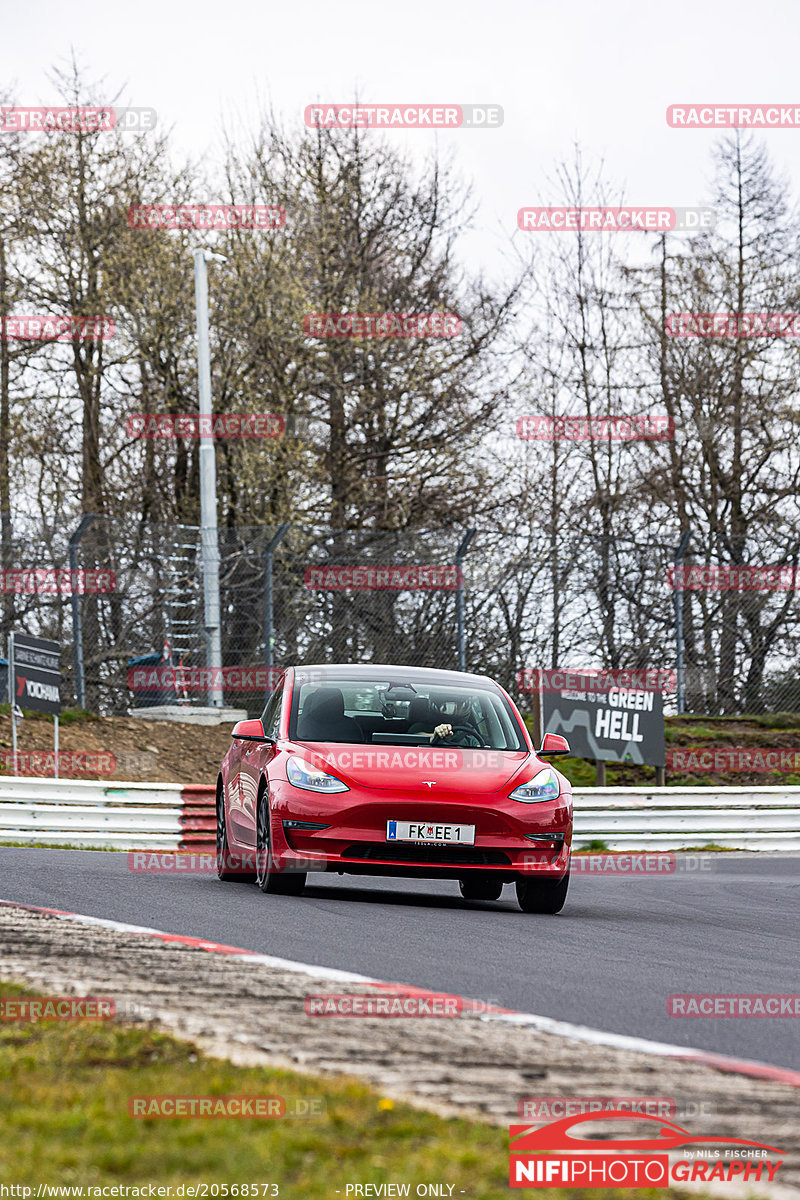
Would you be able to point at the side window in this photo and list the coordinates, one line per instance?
(271, 717)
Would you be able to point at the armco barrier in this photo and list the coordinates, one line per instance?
(168, 816)
(745, 818)
(109, 816)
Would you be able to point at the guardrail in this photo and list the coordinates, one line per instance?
(168, 816)
(745, 818)
(107, 816)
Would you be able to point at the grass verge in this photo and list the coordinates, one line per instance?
(64, 1090)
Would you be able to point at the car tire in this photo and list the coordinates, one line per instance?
(481, 887)
(223, 852)
(542, 895)
(289, 883)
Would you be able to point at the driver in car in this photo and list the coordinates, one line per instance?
(457, 732)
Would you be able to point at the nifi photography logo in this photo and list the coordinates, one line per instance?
(554, 1155)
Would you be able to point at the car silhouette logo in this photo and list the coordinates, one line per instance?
(558, 1135)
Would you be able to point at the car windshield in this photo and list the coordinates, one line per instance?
(386, 712)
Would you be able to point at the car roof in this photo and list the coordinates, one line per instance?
(392, 671)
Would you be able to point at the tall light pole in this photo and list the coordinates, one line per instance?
(208, 484)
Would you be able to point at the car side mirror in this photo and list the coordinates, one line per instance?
(554, 743)
(250, 731)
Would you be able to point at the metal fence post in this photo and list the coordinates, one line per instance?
(12, 698)
(77, 610)
(461, 639)
(680, 550)
(269, 622)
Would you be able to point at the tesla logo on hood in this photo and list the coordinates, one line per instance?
(429, 782)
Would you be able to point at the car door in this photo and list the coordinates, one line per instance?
(253, 759)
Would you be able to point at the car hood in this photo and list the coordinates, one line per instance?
(412, 768)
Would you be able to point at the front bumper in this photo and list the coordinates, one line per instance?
(511, 839)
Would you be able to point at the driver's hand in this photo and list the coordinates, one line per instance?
(442, 731)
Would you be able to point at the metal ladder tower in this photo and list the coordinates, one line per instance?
(182, 606)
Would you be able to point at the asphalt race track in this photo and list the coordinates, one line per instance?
(609, 960)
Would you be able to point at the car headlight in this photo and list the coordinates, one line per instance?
(303, 775)
(544, 786)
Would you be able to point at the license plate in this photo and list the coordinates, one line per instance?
(427, 831)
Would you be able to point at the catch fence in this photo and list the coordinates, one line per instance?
(125, 601)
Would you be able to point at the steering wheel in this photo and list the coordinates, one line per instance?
(476, 743)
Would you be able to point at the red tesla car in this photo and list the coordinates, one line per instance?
(399, 771)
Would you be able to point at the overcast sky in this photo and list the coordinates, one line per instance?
(599, 73)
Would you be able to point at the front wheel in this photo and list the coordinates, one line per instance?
(542, 895)
(290, 883)
(481, 887)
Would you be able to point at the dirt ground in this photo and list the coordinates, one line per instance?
(123, 748)
(170, 752)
